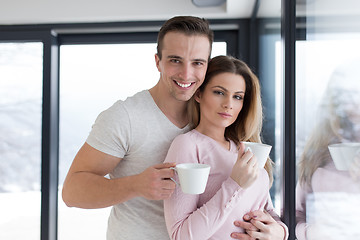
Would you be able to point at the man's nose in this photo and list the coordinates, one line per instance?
(186, 72)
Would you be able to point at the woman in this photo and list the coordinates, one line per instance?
(320, 183)
(224, 111)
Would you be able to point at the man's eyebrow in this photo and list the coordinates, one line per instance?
(200, 60)
(194, 60)
(174, 56)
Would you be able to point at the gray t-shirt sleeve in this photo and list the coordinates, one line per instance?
(110, 133)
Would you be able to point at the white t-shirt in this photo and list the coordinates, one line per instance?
(137, 131)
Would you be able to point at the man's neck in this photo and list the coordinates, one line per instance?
(173, 109)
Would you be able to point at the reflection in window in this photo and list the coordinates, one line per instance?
(328, 90)
(20, 139)
(92, 78)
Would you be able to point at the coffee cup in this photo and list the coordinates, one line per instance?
(260, 150)
(343, 154)
(192, 177)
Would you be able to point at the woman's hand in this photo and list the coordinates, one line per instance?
(259, 225)
(245, 170)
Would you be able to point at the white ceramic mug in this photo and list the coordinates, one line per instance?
(192, 176)
(343, 154)
(260, 150)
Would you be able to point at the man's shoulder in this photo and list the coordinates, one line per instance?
(136, 101)
(122, 108)
(141, 100)
(137, 98)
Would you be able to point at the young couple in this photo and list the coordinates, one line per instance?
(130, 140)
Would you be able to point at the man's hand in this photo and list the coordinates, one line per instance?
(154, 183)
(259, 225)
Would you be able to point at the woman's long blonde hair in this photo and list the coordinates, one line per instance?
(248, 125)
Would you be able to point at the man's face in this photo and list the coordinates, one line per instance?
(183, 64)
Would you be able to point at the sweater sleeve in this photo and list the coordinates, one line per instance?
(270, 209)
(301, 225)
(185, 219)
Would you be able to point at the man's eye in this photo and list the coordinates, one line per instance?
(174, 61)
(198, 63)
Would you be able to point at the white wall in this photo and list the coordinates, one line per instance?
(82, 11)
(74, 11)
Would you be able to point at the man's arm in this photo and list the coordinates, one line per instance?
(86, 187)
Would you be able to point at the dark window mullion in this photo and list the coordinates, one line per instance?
(288, 33)
(50, 138)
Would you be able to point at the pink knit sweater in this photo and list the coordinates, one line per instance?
(211, 215)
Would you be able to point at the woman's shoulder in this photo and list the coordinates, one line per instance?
(194, 140)
(193, 135)
(182, 149)
(184, 139)
(328, 168)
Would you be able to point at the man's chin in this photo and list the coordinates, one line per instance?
(183, 97)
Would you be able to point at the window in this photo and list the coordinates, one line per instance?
(92, 79)
(20, 139)
(328, 89)
(269, 67)
(327, 112)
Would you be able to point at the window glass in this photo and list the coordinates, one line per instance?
(92, 78)
(327, 112)
(20, 139)
(270, 78)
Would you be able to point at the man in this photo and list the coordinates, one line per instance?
(130, 140)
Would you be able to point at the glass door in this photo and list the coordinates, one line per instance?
(327, 113)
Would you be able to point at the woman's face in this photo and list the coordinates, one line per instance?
(346, 106)
(222, 100)
(351, 108)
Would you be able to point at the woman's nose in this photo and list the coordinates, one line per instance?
(227, 104)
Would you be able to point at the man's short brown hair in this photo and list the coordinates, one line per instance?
(188, 25)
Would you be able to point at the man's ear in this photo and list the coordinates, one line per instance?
(157, 61)
(197, 95)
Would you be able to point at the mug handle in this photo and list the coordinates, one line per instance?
(172, 178)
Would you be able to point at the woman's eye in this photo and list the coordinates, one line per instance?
(218, 92)
(238, 97)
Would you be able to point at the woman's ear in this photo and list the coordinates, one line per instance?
(197, 95)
